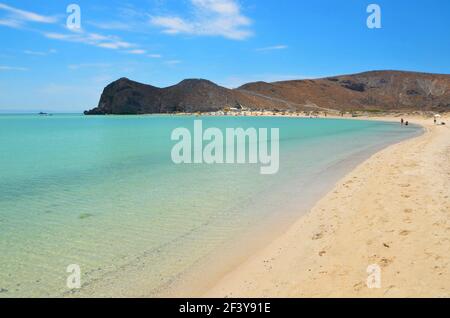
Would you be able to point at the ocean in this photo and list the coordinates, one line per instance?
(104, 194)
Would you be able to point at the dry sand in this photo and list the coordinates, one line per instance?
(393, 210)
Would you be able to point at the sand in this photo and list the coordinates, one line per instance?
(393, 210)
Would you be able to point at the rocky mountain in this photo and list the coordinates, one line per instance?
(193, 95)
(377, 90)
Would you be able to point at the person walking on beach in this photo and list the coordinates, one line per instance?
(402, 121)
(406, 123)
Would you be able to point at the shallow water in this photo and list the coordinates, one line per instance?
(103, 193)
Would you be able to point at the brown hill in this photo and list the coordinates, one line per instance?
(378, 90)
(193, 95)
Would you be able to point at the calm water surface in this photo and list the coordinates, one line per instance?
(103, 193)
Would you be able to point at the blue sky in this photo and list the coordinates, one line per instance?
(46, 66)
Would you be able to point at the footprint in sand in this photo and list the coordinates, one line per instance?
(405, 233)
(407, 220)
(317, 236)
(384, 262)
(358, 286)
(389, 289)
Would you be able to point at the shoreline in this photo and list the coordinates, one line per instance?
(318, 257)
(197, 283)
(233, 255)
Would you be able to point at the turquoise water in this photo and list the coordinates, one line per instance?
(103, 193)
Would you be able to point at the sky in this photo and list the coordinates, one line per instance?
(47, 63)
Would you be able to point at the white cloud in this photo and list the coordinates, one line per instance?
(28, 52)
(12, 68)
(10, 23)
(112, 25)
(88, 65)
(17, 17)
(155, 56)
(115, 45)
(95, 39)
(173, 62)
(273, 48)
(39, 53)
(137, 51)
(211, 17)
(173, 25)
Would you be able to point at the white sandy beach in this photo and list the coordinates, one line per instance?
(393, 210)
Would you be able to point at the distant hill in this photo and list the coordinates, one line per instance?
(377, 90)
(193, 95)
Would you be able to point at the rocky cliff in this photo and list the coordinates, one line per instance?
(377, 90)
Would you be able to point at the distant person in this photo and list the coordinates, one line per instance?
(406, 123)
(435, 120)
(402, 121)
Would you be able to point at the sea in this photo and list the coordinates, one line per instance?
(98, 200)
